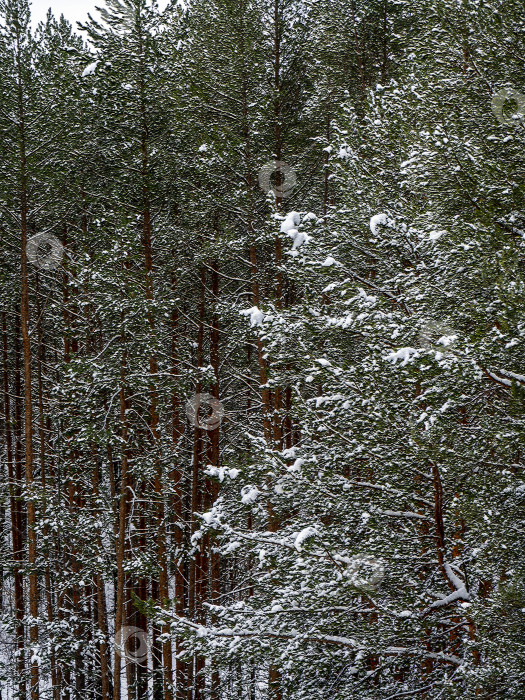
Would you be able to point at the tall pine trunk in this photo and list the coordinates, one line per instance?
(28, 398)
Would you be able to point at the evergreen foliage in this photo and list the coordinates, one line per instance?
(262, 408)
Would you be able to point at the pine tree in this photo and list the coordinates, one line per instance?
(262, 393)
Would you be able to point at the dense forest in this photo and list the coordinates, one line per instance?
(262, 311)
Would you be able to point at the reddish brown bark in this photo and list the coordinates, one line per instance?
(16, 516)
(124, 480)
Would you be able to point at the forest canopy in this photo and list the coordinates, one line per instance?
(262, 268)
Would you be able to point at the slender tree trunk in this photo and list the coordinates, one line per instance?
(214, 457)
(101, 614)
(16, 519)
(124, 479)
(196, 565)
(43, 469)
(28, 401)
(176, 478)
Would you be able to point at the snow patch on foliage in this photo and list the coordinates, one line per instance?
(378, 220)
(296, 466)
(249, 495)
(304, 535)
(257, 316)
(212, 518)
(324, 362)
(289, 226)
(221, 472)
(89, 70)
(299, 237)
(404, 354)
(291, 221)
